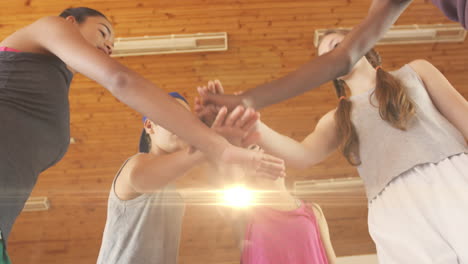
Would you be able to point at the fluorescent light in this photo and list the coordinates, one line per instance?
(34, 204)
(335, 192)
(413, 34)
(168, 44)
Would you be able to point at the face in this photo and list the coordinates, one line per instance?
(98, 32)
(164, 139)
(330, 42)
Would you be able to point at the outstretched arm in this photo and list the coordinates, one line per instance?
(382, 14)
(316, 147)
(57, 36)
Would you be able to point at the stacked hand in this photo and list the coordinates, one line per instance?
(239, 128)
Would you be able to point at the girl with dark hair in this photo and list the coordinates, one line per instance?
(145, 211)
(37, 64)
(405, 131)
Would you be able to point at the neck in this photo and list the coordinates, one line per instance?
(362, 79)
(157, 150)
(274, 194)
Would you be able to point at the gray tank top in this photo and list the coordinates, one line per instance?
(144, 230)
(387, 152)
(34, 115)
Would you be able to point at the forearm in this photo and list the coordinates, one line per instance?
(295, 154)
(153, 172)
(153, 102)
(63, 40)
(382, 15)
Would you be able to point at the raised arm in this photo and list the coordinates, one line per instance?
(146, 173)
(316, 147)
(61, 38)
(65, 41)
(381, 16)
(300, 155)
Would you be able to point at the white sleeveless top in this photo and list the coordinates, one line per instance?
(387, 152)
(144, 230)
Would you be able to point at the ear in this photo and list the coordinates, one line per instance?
(71, 19)
(149, 126)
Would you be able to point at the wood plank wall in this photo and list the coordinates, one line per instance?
(267, 39)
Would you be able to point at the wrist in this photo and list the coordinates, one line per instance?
(218, 148)
(247, 100)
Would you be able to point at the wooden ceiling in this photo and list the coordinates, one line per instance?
(267, 39)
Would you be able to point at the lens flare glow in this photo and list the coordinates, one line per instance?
(237, 196)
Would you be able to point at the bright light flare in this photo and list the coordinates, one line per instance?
(237, 196)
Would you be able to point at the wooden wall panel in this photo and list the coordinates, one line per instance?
(267, 39)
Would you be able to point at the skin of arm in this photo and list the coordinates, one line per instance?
(316, 147)
(146, 173)
(324, 233)
(65, 41)
(381, 16)
(444, 96)
(300, 155)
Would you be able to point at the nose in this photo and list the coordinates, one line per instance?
(109, 47)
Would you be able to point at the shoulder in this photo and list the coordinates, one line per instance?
(317, 210)
(420, 63)
(49, 20)
(122, 181)
(328, 119)
(421, 67)
(50, 25)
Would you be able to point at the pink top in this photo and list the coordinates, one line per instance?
(283, 237)
(8, 49)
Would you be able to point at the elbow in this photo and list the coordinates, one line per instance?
(307, 159)
(118, 83)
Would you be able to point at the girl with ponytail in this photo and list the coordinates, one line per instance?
(405, 131)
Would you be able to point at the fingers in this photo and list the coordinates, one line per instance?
(251, 123)
(234, 116)
(211, 87)
(218, 87)
(273, 160)
(247, 120)
(220, 118)
(197, 106)
(200, 90)
(264, 164)
(271, 167)
(277, 166)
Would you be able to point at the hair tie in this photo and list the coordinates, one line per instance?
(342, 98)
(378, 67)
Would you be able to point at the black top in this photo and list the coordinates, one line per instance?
(35, 125)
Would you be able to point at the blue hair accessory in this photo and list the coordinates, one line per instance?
(174, 95)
